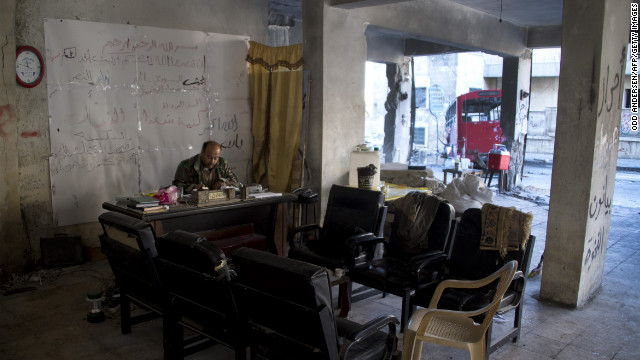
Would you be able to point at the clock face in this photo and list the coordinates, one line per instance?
(29, 67)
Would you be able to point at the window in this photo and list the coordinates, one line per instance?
(419, 136)
(481, 109)
(421, 97)
(626, 101)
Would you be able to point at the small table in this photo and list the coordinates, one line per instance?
(502, 178)
(460, 173)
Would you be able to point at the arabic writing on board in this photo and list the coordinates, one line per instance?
(127, 103)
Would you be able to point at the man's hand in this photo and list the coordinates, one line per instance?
(218, 184)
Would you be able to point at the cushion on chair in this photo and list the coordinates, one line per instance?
(333, 237)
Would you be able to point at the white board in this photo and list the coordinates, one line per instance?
(127, 103)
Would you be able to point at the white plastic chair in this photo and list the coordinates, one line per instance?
(456, 328)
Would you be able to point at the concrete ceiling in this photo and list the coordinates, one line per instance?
(285, 12)
(525, 13)
(541, 18)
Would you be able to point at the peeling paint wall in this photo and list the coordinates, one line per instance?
(605, 154)
(402, 148)
(584, 164)
(397, 120)
(515, 111)
(24, 166)
(14, 249)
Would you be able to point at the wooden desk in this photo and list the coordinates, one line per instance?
(268, 216)
(460, 173)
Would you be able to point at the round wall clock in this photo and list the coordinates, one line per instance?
(29, 66)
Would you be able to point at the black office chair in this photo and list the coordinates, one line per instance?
(352, 227)
(414, 253)
(469, 262)
(286, 305)
(129, 245)
(197, 279)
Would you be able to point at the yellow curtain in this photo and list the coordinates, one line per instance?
(276, 97)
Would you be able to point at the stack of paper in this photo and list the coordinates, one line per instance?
(265, 194)
(142, 201)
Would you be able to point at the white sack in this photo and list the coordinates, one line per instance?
(468, 192)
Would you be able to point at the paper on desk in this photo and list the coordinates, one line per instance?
(262, 195)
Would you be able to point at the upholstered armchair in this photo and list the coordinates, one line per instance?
(352, 228)
(287, 308)
(419, 243)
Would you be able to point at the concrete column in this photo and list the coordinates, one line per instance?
(390, 117)
(595, 36)
(516, 86)
(312, 27)
(335, 53)
(12, 238)
(397, 121)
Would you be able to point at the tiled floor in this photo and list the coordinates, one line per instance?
(607, 327)
(49, 322)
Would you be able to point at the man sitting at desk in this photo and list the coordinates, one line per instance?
(205, 169)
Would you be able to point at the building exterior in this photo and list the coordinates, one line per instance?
(440, 78)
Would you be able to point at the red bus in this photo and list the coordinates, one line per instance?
(472, 124)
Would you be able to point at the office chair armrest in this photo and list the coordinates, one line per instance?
(425, 257)
(374, 326)
(433, 261)
(362, 239)
(371, 328)
(517, 284)
(292, 235)
(305, 228)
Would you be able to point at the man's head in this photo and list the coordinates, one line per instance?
(210, 154)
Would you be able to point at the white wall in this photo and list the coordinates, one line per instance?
(544, 93)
